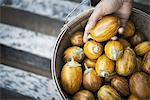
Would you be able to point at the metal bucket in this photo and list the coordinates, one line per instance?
(140, 19)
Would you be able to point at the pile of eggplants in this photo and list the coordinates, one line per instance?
(110, 66)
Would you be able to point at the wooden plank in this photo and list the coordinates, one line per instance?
(31, 21)
(11, 95)
(0, 54)
(26, 61)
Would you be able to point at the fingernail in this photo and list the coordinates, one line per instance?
(121, 30)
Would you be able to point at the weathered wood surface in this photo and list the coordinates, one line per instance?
(27, 83)
(31, 21)
(24, 60)
(9, 95)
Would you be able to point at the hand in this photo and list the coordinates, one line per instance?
(121, 8)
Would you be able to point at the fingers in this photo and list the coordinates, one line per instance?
(88, 27)
(85, 39)
(91, 23)
(103, 8)
(123, 24)
(124, 13)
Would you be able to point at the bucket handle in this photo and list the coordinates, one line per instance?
(76, 10)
